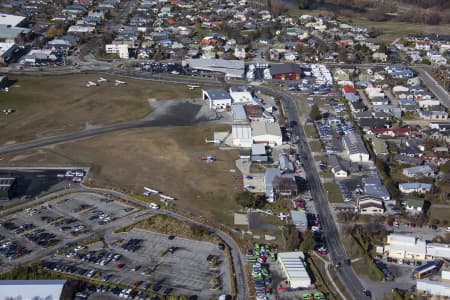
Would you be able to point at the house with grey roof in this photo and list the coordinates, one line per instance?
(374, 187)
(415, 187)
(419, 171)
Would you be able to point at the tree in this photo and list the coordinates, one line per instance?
(315, 113)
(247, 199)
(303, 4)
(308, 242)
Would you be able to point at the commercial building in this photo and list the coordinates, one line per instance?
(32, 289)
(11, 20)
(242, 135)
(369, 205)
(7, 187)
(218, 99)
(355, 148)
(433, 287)
(401, 246)
(241, 96)
(266, 133)
(238, 113)
(294, 270)
(287, 71)
(232, 69)
(120, 49)
(438, 250)
(374, 187)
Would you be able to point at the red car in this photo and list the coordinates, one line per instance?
(322, 251)
(120, 266)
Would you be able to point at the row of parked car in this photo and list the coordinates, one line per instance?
(74, 269)
(42, 237)
(13, 250)
(132, 245)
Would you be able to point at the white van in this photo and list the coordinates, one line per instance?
(153, 206)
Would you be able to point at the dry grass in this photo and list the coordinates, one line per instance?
(58, 104)
(439, 213)
(167, 225)
(165, 158)
(333, 192)
(316, 146)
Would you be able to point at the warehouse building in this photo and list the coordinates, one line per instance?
(7, 187)
(432, 287)
(32, 289)
(293, 267)
(401, 246)
(356, 150)
(232, 69)
(438, 250)
(238, 113)
(242, 135)
(266, 133)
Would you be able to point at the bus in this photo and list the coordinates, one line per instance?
(427, 269)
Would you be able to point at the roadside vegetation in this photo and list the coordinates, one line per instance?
(167, 225)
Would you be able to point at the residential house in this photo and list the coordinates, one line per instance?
(419, 171)
(414, 205)
(414, 187)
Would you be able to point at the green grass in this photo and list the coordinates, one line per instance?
(316, 146)
(321, 158)
(333, 192)
(326, 174)
(311, 131)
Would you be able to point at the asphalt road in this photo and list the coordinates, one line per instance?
(329, 228)
(434, 86)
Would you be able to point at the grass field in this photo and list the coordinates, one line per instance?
(316, 146)
(58, 104)
(439, 213)
(311, 131)
(333, 192)
(163, 158)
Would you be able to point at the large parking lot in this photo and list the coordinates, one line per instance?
(149, 261)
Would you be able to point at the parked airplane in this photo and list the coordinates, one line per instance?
(90, 83)
(212, 141)
(208, 158)
(101, 79)
(166, 197)
(118, 82)
(191, 87)
(149, 191)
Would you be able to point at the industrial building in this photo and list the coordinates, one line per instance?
(218, 99)
(401, 246)
(266, 133)
(299, 219)
(238, 113)
(232, 69)
(355, 148)
(121, 50)
(433, 287)
(32, 289)
(278, 184)
(7, 187)
(242, 135)
(293, 267)
(241, 96)
(286, 71)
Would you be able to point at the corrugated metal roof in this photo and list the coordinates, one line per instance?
(238, 112)
(31, 289)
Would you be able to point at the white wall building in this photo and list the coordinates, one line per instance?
(121, 50)
(218, 99)
(31, 289)
(266, 133)
(294, 269)
(435, 288)
(242, 135)
(356, 150)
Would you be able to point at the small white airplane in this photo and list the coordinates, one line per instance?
(149, 191)
(101, 79)
(90, 83)
(166, 197)
(118, 82)
(191, 87)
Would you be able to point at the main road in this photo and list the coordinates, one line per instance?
(330, 231)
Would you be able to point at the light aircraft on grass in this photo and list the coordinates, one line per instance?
(208, 158)
(101, 79)
(90, 83)
(191, 87)
(118, 82)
